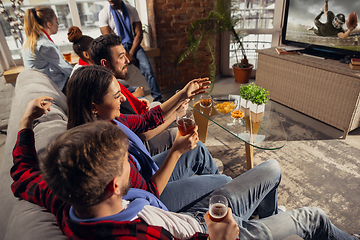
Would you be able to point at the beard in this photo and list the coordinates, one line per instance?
(125, 188)
(120, 74)
(117, 4)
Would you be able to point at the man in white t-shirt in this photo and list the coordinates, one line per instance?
(123, 19)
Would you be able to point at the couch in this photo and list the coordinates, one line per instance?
(21, 219)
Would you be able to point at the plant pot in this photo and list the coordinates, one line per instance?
(256, 116)
(242, 75)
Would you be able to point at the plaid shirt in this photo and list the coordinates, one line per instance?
(142, 123)
(29, 185)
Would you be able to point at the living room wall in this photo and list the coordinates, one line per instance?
(169, 21)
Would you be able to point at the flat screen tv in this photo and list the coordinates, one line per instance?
(300, 28)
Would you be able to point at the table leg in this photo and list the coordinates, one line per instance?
(249, 152)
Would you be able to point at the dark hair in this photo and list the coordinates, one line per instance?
(100, 48)
(80, 42)
(87, 85)
(79, 164)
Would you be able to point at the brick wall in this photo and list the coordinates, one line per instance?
(169, 21)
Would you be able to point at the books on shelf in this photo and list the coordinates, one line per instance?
(355, 61)
(288, 50)
(352, 66)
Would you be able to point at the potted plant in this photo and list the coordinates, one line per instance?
(253, 100)
(219, 20)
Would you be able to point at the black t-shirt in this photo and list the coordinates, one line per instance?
(126, 108)
(328, 29)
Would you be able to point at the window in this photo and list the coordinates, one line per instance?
(260, 27)
(84, 13)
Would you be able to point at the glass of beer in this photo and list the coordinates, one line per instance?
(185, 122)
(67, 56)
(218, 208)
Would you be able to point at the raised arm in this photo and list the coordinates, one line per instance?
(193, 88)
(28, 183)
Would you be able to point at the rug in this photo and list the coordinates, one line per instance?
(317, 171)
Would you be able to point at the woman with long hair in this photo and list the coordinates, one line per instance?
(157, 140)
(94, 94)
(39, 50)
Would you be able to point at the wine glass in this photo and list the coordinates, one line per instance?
(205, 104)
(237, 114)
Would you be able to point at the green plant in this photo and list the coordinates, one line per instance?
(256, 94)
(219, 20)
(246, 91)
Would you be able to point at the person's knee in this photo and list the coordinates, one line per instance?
(315, 214)
(273, 165)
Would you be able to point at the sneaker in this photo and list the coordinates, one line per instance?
(281, 208)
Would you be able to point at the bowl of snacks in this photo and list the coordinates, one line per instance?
(224, 104)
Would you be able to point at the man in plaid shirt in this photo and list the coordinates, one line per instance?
(84, 182)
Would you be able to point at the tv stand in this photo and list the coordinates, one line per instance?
(324, 89)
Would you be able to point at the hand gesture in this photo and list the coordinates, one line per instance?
(147, 102)
(196, 86)
(35, 109)
(227, 229)
(131, 58)
(139, 92)
(183, 144)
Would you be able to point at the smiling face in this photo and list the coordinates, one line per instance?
(110, 107)
(119, 62)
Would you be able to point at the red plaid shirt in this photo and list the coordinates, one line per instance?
(29, 185)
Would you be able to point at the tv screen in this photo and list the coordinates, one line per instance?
(316, 26)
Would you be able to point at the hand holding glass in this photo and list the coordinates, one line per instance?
(218, 208)
(185, 122)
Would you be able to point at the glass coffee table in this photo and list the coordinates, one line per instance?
(262, 130)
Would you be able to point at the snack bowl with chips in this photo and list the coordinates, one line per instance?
(224, 104)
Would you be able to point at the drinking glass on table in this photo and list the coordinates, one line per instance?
(205, 104)
(185, 122)
(218, 208)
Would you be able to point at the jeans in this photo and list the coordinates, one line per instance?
(184, 189)
(144, 65)
(257, 188)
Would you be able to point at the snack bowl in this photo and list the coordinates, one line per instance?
(224, 104)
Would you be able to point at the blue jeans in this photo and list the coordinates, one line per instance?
(257, 188)
(184, 189)
(144, 65)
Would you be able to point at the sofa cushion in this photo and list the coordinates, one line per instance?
(41, 223)
(29, 85)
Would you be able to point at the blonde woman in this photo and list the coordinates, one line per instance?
(40, 51)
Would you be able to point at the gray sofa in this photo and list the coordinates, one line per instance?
(20, 219)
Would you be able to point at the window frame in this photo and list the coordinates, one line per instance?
(6, 59)
(275, 31)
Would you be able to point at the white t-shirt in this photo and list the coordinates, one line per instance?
(181, 226)
(106, 18)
